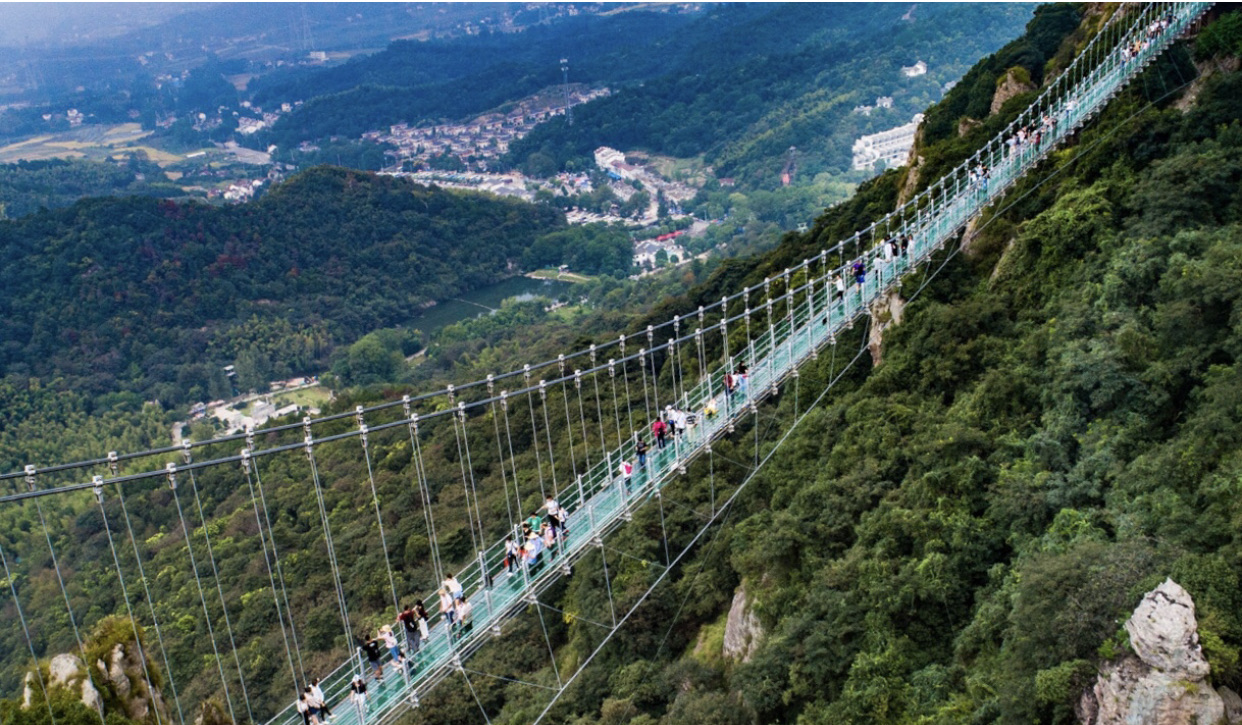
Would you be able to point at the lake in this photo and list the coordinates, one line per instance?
(485, 299)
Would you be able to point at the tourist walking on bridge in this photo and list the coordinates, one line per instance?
(373, 652)
(358, 695)
(408, 619)
(446, 607)
(304, 710)
(323, 701)
(659, 430)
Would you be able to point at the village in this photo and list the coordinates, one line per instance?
(484, 137)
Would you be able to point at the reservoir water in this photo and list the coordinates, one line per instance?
(484, 300)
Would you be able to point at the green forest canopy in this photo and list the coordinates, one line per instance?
(155, 296)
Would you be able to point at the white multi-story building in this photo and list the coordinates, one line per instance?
(889, 148)
(606, 157)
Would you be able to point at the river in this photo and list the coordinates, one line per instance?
(485, 299)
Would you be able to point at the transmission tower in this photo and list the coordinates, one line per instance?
(569, 111)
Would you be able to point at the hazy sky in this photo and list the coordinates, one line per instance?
(55, 23)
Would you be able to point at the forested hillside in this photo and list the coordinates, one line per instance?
(27, 186)
(154, 297)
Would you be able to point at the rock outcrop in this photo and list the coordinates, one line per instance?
(885, 311)
(119, 677)
(1015, 82)
(743, 630)
(1165, 681)
(69, 672)
(127, 679)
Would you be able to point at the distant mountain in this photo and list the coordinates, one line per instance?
(817, 64)
(413, 81)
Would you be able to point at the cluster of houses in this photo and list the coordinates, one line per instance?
(261, 411)
(484, 137)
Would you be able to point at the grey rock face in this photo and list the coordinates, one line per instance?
(743, 631)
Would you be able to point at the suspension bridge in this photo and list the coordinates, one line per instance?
(768, 331)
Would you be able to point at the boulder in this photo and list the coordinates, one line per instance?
(1164, 681)
(743, 631)
(63, 670)
(914, 161)
(1164, 633)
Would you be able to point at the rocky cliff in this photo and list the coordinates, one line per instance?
(743, 631)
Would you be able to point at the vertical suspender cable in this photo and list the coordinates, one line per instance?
(474, 486)
(465, 483)
(500, 453)
(569, 426)
(271, 577)
(625, 377)
(379, 519)
(586, 439)
(133, 623)
(30, 481)
(171, 470)
(424, 491)
(547, 429)
(142, 574)
(228, 625)
(8, 576)
(534, 431)
(327, 534)
(517, 494)
(599, 407)
(616, 408)
(280, 571)
(642, 367)
(655, 379)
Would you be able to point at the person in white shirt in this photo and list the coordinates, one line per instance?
(446, 607)
(464, 619)
(453, 586)
(323, 701)
(512, 555)
(304, 710)
(555, 517)
(314, 704)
